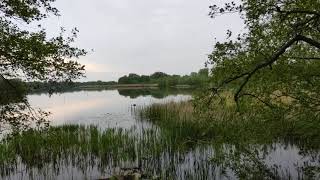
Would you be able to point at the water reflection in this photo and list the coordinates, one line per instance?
(79, 152)
(154, 92)
(104, 137)
(105, 108)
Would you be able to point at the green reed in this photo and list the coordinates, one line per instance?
(241, 140)
(227, 125)
(225, 142)
(78, 143)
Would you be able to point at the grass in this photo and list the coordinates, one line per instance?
(226, 124)
(86, 147)
(220, 140)
(70, 142)
(241, 139)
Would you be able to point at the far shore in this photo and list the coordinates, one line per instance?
(129, 86)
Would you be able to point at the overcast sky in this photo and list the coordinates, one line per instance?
(142, 36)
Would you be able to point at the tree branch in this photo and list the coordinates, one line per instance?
(258, 98)
(309, 41)
(269, 62)
(274, 58)
(31, 110)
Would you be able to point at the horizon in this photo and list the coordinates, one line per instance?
(171, 36)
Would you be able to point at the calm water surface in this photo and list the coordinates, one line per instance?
(105, 108)
(167, 160)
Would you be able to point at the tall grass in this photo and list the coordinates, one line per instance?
(55, 151)
(226, 124)
(67, 144)
(241, 139)
(182, 143)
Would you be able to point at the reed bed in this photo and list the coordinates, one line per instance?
(226, 124)
(220, 141)
(54, 151)
(67, 144)
(240, 141)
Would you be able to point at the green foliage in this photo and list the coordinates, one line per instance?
(276, 62)
(8, 95)
(166, 80)
(32, 55)
(53, 86)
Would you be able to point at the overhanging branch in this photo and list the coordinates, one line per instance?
(247, 75)
(309, 41)
(281, 50)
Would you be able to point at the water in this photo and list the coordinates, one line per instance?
(105, 108)
(98, 154)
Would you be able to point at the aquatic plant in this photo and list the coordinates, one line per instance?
(241, 140)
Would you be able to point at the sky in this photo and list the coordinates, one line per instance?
(142, 36)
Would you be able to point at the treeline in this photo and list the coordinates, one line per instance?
(63, 86)
(165, 80)
(162, 79)
(49, 86)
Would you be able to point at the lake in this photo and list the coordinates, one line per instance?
(105, 108)
(98, 134)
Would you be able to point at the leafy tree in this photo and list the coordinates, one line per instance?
(32, 55)
(123, 80)
(134, 78)
(166, 80)
(276, 62)
(204, 72)
(144, 79)
(193, 74)
(158, 75)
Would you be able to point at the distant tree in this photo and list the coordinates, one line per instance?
(166, 80)
(134, 78)
(276, 62)
(32, 55)
(203, 72)
(145, 79)
(193, 74)
(158, 75)
(123, 80)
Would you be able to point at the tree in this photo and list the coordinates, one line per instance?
(158, 75)
(204, 72)
(145, 78)
(276, 62)
(32, 55)
(134, 78)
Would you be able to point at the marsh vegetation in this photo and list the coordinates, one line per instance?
(254, 114)
(167, 139)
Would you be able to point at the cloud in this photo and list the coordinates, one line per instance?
(143, 36)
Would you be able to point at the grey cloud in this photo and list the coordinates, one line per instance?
(143, 36)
